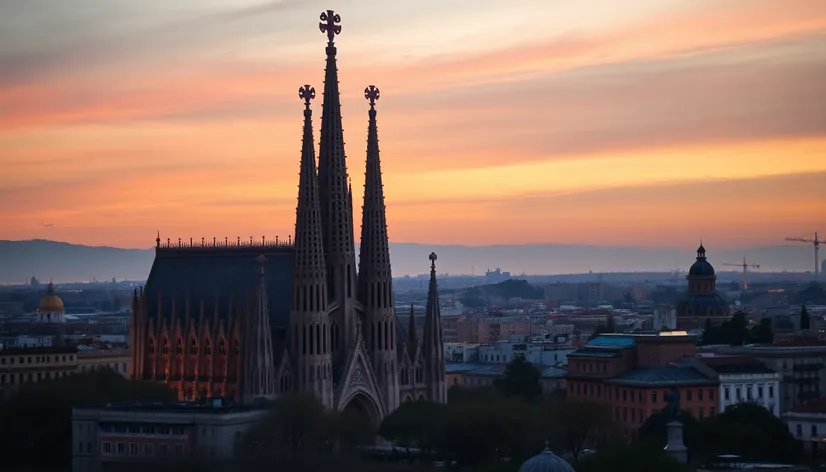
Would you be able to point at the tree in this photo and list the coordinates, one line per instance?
(762, 333)
(577, 424)
(521, 378)
(416, 423)
(653, 431)
(296, 428)
(753, 432)
(610, 326)
(804, 317)
(629, 458)
(36, 419)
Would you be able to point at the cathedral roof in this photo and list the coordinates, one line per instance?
(217, 275)
(50, 303)
(546, 461)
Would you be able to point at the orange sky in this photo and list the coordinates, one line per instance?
(625, 122)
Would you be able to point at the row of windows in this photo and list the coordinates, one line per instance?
(134, 449)
(738, 392)
(25, 377)
(165, 430)
(632, 395)
(637, 416)
(812, 430)
(9, 360)
(594, 368)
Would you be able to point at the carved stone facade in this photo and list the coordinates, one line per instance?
(250, 320)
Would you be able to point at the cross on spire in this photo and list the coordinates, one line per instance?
(306, 93)
(328, 24)
(372, 93)
(432, 258)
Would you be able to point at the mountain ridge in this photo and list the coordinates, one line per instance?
(66, 262)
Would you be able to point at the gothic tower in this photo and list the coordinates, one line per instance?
(375, 283)
(336, 209)
(309, 321)
(259, 371)
(432, 347)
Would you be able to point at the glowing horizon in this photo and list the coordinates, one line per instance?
(613, 124)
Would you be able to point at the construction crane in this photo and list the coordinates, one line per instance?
(745, 265)
(816, 243)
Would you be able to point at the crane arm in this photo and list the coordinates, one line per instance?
(801, 240)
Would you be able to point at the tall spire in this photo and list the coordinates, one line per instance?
(259, 370)
(432, 347)
(336, 210)
(309, 349)
(375, 282)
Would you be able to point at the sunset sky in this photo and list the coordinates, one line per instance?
(611, 122)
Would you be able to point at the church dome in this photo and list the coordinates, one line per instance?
(50, 303)
(546, 461)
(701, 268)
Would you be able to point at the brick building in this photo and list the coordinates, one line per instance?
(633, 374)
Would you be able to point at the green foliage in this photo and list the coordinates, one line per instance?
(805, 323)
(414, 424)
(36, 419)
(580, 424)
(753, 432)
(736, 332)
(629, 458)
(521, 379)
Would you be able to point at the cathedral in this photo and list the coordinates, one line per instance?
(255, 319)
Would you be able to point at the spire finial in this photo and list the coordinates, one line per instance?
(158, 239)
(306, 93)
(432, 258)
(372, 93)
(328, 24)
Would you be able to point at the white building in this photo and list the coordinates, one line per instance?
(128, 433)
(807, 423)
(744, 379)
(543, 354)
(24, 340)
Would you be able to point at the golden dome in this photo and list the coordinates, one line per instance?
(50, 303)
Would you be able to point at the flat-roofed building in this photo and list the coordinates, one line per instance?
(114, 437)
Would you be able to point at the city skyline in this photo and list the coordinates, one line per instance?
(596, 123)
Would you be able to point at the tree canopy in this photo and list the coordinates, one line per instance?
(37, 418)
(521, 378)
(805, 323)
(736, 331)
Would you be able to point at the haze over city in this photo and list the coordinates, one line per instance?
(623, 123)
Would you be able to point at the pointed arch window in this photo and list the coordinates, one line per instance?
(151, 346)
(193, 347)
(179, 346)
(165, 345)
(207, 347)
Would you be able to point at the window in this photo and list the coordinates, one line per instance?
(700, 395)
(771, 391)
(625, 414)
(107, 447)
(700, 413)
(711, 412)
(814, 430)
(800, 430)
(711, 394)
(653, 397)
(688, 395)
(737, 393)
(624, 395)
(80, 446)
(759, 391)
(121, 448)
(133, 449)
(148, 449)
(163, 449)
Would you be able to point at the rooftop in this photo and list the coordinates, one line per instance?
(662, 376)
(817, 407)
(498, 370)
(735, 365)
(189, 407)
(38, 350)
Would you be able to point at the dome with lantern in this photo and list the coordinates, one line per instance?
(50, 308)
(546, 461)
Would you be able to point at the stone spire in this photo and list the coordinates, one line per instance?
(334, 201)
(259, 371)
(309, 322)
(432, 347)
(375, 283)
(412, 335)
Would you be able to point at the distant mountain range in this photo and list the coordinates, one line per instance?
(63, 262)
